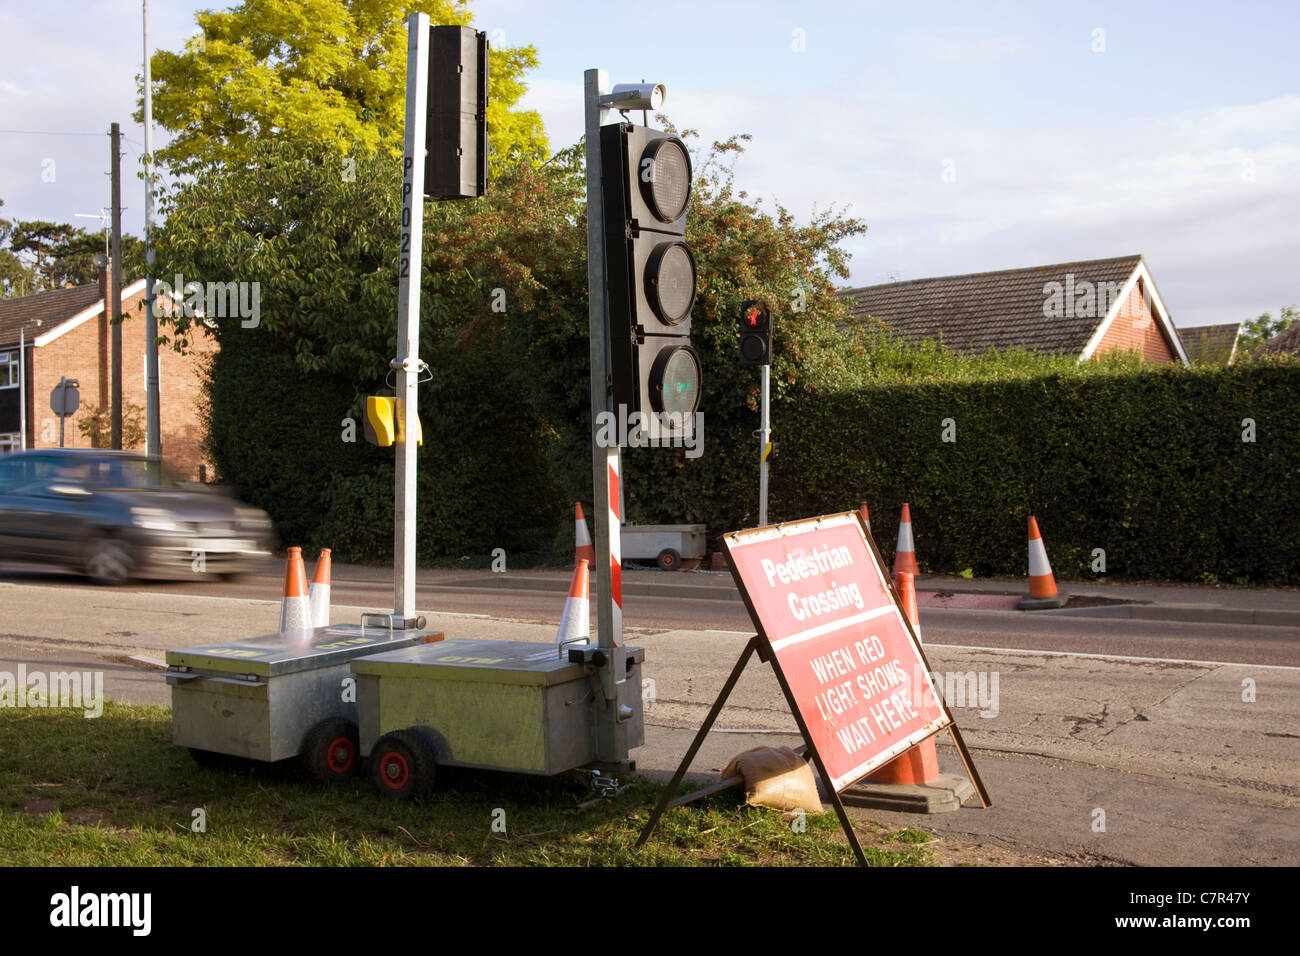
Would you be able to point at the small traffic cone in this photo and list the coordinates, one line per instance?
(583, 549)
(575, 622)
(906, 587)
(295, 609)
(920, 765)
(866, 518)
(1043, 592)
(905, 553)
(318, 592)
(911, 781)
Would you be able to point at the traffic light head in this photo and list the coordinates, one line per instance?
(755, 334)
(651, 275)
(455, 138)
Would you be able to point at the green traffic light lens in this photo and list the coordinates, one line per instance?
(675, 380)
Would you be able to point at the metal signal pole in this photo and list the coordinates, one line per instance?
(407, 364)
(154, 443)
(115, 296)
(764, 438)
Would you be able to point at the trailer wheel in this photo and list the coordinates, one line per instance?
(402, 765)
(330, 751)
(670, 560)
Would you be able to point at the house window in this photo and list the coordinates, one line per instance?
(9, 369)
(9, 441)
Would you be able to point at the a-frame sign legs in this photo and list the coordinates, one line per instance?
(750, 648)
(699, 739)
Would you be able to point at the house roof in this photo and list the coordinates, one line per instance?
(1211, 344)
(992, 310)
(60, 311)
(1288, 340)
(52, 308)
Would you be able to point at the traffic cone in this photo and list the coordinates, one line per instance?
(905, 553)
(866, 518)
(1043, 592)
(920, 765)
(911, 781)
(295, 609)
(318, 592)
(575, 622)
(583, 549)
(906, 587)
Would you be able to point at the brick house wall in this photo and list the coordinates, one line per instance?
(83, 353)
(1136, 329)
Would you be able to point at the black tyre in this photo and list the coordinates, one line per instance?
(108, 561)
(402, 765)
(331, 751)
(670, 560)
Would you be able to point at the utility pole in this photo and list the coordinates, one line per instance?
(115, 292)
(154, 446)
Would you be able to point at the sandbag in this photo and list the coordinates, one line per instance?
(775, 777)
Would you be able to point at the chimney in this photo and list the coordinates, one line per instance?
(103, 336)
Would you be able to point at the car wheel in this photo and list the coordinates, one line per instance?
(108, 561)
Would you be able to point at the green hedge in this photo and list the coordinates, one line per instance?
(1148, 465)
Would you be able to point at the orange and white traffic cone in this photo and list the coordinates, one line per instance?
(911, 781)
(583, 549)
(575, 622)
(318, 592)
(295, 609)
(905, 553)
(920, 765)
(866, 518)
(1043, 592)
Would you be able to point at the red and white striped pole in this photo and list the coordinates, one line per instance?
(615, 551)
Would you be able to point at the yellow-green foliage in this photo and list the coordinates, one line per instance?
(320, 71)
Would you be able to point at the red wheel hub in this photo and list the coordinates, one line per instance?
(341, 755)
(394, 770)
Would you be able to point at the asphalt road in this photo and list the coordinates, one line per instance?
(1147, 722)
(372, 587)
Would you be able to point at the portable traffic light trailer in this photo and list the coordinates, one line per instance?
(395, 693)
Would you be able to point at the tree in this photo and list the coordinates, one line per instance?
(37, 243)
(506, 414)
(15, 278)
(36, 256)
(95, 422)
(331, 72)
(1256, 332)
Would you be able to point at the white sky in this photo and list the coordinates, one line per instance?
(1180, 141)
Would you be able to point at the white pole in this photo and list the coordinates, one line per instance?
(408, 362)
(22, 387)
(764, 435)
(153, 445)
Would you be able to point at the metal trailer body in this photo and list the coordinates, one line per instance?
(496, 705)
(258, 698)
(651, 541)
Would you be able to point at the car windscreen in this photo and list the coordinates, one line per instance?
(125, 473)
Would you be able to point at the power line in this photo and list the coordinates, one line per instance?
(49, 132)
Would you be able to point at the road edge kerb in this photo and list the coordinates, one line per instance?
(1191, 614)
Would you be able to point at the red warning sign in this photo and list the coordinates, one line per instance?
(841, 647)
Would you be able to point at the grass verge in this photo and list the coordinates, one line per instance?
(114, 791)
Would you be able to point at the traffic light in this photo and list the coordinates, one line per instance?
(455, 136)
(755, 334)
(650, 276)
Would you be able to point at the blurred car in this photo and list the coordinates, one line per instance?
(117, 515)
